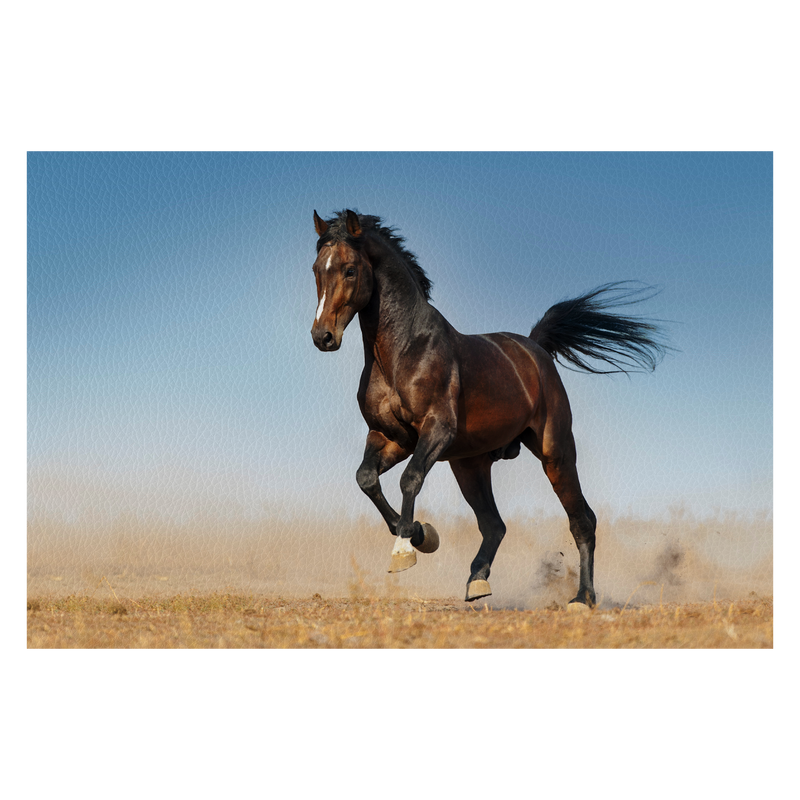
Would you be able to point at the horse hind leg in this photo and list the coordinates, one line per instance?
(563, 475)
(474, 478)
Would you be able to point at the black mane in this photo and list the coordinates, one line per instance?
(337, 232)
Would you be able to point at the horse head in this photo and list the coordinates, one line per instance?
(344, 280)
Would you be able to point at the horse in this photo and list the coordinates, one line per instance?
(431, 393)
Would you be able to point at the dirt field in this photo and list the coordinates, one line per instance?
(322, 583)
(231, 621)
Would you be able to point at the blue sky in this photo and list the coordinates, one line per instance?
(171, 369)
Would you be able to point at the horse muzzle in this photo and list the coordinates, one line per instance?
(325, 340)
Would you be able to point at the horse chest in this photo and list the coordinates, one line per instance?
(383, 410)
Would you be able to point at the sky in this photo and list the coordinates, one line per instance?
(171, 370)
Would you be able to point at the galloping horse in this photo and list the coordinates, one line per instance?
(432, 393)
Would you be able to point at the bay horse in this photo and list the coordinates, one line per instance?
(434, 394)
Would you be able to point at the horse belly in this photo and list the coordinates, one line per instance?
(499, 394)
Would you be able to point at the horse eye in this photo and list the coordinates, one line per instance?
(350, 272)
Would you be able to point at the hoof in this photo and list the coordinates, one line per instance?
(576, 607)
(430, 539)
(403, 555)
(477, 589)
(584, 597)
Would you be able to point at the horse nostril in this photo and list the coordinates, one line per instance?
(327, 338)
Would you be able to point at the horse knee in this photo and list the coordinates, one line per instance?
(367, 479)
(411, 481)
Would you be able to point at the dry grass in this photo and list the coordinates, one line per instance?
(250, 621)
(678, 582)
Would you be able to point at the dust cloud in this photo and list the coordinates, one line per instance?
(676, 559)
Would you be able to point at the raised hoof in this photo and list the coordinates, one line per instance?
(430, 539)
(477, 589)
(403, 555)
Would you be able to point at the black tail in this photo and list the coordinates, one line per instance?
(584, 327)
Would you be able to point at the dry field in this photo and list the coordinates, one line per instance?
(239, 621)
(320, 583)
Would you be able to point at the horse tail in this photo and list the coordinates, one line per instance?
(588, 327)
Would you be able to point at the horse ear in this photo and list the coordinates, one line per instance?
(320, 226)
(353, 225)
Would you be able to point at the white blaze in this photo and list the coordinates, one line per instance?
(321, 306)
(322, 302)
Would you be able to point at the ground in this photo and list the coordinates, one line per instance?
(253, 621)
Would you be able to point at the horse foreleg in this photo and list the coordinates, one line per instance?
(380, 455)
(434, 439)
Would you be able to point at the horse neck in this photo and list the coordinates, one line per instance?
(391, 319)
